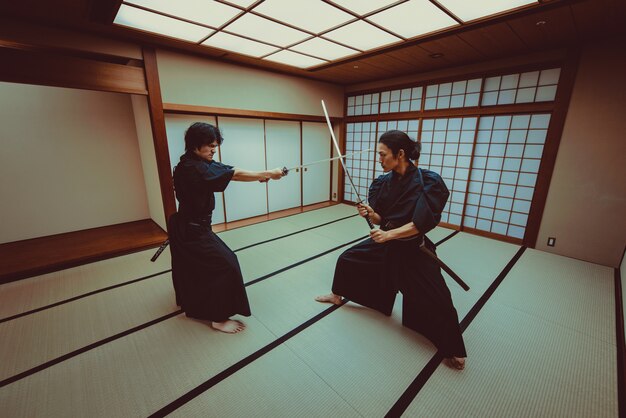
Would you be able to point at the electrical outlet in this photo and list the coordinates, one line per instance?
(334, 195)
(551, 241)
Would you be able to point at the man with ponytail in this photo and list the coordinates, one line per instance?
(406, 202)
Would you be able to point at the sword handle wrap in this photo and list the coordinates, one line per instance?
(160, 250)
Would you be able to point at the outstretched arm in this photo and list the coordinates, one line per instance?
(263, 176)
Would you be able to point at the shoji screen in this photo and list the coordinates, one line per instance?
(504, 172)
(175, 126)
(359, 137)
(447, 150)
(316, 145)
(282, 142)
(244, 148)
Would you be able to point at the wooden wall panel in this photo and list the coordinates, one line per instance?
(51, 69)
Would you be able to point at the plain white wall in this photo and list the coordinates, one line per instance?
(69, 161)
(192, 80)
(586, 202)
(148, 159)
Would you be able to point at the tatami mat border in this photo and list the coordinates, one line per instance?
(620, 343)
(104, 289)
(198, 390)
(96, 344)
(413, 389)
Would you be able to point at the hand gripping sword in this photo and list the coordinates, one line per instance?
(422, 247)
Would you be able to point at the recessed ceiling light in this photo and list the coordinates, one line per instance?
(356, 66)
(436, 55)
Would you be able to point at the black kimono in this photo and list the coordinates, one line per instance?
(206, 274)
(371, 273)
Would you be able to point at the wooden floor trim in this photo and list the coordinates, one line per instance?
(22, 259)
(270, 216)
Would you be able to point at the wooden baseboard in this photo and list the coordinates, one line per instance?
(22, 259)
(274, 215)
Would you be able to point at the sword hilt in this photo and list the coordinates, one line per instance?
(367, 217)
(160, 250)
(285, 171)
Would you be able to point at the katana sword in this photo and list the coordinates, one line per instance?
(422, 246)
(287, 170)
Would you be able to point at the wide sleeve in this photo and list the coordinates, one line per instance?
(430, 202)
(216, 175)
(374, 192)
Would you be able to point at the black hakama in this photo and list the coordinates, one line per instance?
(371, 274)
(206, 274)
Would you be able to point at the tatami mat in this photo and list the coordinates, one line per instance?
(35, 292)
(46, 335)
(571, 293)
(278, 384)
(523, 366)
(529, 355)
(538, 348)
(133, 376)
(241, 237)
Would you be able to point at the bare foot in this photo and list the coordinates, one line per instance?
(229, 326)
(456, 362)
(330, 298)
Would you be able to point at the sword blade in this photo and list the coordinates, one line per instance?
(343, 164)
(329, 159)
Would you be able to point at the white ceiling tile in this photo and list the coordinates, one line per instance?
(312, 15)
(413, 18)
(240, 45)
(156, 23)
(361, 35)
(265, 30)
(362, 7)
(470, 10)
(242, 3)
(294, 59)
(209, 13)
(324, 49)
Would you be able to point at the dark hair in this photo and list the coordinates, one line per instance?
(397, 140)
(199, 134)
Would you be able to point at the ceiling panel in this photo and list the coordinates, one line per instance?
(470, 10)
(361, 35)
(259, 28)
(494, 40)
(413, 18)
(362, 7)
(454, 49)
(312, 15)
(294, 58)
(558, 28)
(156, 23)
(209, 13)
(238, 44)
(322, 48)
